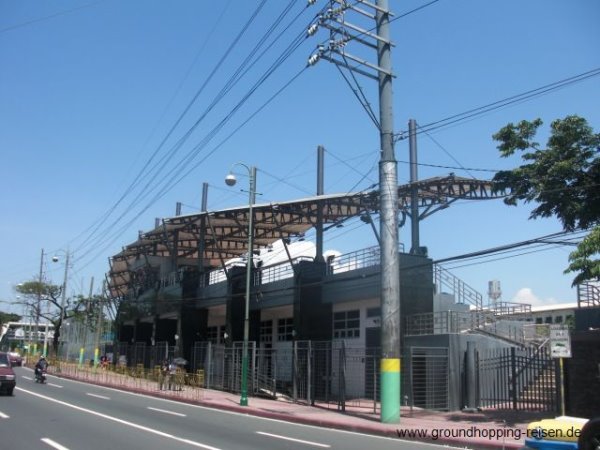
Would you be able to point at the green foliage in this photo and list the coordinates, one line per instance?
(33, 289)
(8, 317)
(563, 179)
(582, 262)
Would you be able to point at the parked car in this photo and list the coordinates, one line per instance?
(15, 359)
(7, 375)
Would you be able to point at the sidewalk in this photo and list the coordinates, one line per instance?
(479, 430)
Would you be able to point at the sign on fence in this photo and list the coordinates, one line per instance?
(560, 343)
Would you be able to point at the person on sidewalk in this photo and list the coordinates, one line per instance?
(172, 373)
(163, 376)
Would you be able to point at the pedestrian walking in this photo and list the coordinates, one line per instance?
(163, 376)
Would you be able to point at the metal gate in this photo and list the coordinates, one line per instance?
(520, 379)
(429, 376)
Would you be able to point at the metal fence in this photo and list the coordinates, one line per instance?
(330, 374)
(334, 375)
(519, 379)
(429, 377)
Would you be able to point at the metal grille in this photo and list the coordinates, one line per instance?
(429, 377)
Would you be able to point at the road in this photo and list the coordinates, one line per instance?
(65, 414)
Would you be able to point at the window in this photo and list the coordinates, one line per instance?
(558, 319)
(538, 320)
(266, 331)
(346, 324)
(285, 329)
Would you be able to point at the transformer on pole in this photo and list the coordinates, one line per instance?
(342, 32)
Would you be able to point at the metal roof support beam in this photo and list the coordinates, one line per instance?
(202, 231)
(218, 245)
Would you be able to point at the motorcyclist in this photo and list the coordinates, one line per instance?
(41, 365)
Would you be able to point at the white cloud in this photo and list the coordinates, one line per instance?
(526, 295)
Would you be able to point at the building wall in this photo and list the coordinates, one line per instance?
(582, 375)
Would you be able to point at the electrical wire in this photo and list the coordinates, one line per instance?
(455, 118)
(187, 160)
(51, 16)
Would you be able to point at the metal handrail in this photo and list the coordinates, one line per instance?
(461, 290)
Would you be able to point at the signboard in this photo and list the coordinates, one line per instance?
(560, 343)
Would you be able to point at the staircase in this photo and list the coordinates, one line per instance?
(541, 391)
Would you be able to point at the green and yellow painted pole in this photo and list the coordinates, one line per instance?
(388, 228)
(81, 354)
(96, 358)
(390, 390)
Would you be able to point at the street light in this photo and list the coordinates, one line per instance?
(230, 180)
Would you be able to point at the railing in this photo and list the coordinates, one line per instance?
(137, 378)
(588, 295)
(366, 257)
(509, 308)
(443, 322)
(359, 259)
(461, 291)
(279, 271)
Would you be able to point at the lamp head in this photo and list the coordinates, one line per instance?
(230, 179)
(55, 259)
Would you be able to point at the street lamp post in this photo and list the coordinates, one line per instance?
(230, 180)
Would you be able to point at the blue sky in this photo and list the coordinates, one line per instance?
(89, 90)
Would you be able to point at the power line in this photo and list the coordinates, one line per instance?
(455, 118)
(189, 157)
(51, 16)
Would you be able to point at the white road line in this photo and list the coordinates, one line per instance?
(55, 385)
(51, 443)
(258, 418)
(316, 444)
(3, 416)
(98, 396)
(27, 378)
(166, 412)
(121, 421)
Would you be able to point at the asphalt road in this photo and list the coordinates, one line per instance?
(64, 414)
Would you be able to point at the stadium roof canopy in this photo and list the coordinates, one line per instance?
(223, 234)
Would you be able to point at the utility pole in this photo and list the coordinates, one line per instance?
(342, 32)
(388, 197)
(63, 296)
(86, 323)
(99, 325)
(39, 303)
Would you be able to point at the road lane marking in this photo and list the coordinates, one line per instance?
(3, 416)
(121, 421)
(103, 397)
(27, 378)
(257, 418)
(166, 412)
(55, 385)
(51, 443)
(300, 441)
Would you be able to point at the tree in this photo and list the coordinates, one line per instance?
(563, 179)
(8, 317)
(36, 295)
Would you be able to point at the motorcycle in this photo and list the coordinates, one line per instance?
(40, 376)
